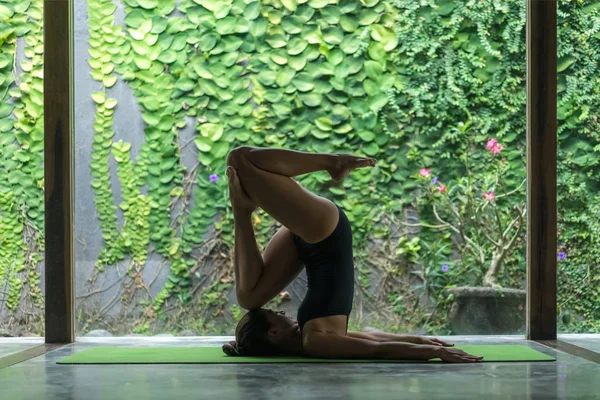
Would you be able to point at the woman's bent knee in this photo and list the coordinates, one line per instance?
(237, 156)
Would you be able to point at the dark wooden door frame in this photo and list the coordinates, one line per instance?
(58, 166)
(541, 170)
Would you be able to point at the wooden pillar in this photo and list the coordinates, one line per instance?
(541, 169)
(58, 165)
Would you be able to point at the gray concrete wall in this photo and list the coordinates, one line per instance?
(129, 127)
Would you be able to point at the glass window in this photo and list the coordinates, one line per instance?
(435, 90)
(578, 167)
(21, 168)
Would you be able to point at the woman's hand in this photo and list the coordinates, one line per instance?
(240, 201)
(449, 354)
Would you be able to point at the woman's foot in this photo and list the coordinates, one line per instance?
(346, 163)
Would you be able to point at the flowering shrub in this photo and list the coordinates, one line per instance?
(486, 222)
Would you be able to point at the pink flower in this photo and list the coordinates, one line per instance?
(424, 172)
(491, 143)
(493, 146)
(442, 188)
(489, 196)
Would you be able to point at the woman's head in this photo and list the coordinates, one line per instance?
(263, 332)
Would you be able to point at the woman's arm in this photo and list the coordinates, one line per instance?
(384, 337)
(247, 259)
(391, 337)
(323, 345)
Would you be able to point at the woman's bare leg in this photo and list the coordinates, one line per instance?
(309, 216)
(293, 163)
(264, 175)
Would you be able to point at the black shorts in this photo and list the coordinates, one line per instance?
(330, 272)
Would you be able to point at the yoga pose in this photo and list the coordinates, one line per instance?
(315, 235)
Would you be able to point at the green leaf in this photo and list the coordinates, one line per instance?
(371, 149)
(98, 97)
(220, 150)
(276, 41)
(564, 63)
(212, 131)
(142, 63)
(373, 69)
(291, 5)
(367, 17)
(150, 119)
(279, 57)
(284, 76)
(324, 123)
(303, 82)
(201, 69)
(208, 42)
(367, 136)
(203, 144)
(258, 28)
(387, 38)
(109, 81)
(311, 99)
(588, 9)
(148, 4)
(318, 3)
(110, 104)
(370, 3)
(135, 18)
(377, 51)
(166, 123)
(319, 134)
(185, 84)
(298, 62)
(108, 8)
(273, 96)
(167, 57)
(296, 46)
(444, 7)
(350, 45)
(302, 129)
(226, 26)
(266, 77)
(348, 23)
(5, 60)
(291, 25)
(378, 102)
(333, 35)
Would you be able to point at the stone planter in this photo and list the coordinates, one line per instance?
(487, 311)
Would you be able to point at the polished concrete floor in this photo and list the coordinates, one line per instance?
(14, 345)
(589, 342)
(41, 378)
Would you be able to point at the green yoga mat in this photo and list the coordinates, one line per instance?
(214, 355)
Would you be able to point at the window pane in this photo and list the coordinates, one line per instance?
(578, 167)
(21, 169)
(435, 90)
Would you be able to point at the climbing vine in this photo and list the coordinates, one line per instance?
(390, 79)
(21, 159)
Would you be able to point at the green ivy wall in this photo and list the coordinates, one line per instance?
(388, 79)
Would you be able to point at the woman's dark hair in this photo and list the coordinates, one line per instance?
(252, 337)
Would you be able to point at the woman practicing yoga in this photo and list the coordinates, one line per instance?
(315, 235)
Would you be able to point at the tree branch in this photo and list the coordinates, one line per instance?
(488, 237)
(521, 215)
(513, 191)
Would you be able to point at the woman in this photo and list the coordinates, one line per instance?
(315, 235)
